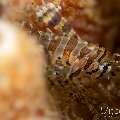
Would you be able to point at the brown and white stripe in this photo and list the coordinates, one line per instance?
(69, 47)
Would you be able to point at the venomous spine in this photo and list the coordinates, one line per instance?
(68, 47)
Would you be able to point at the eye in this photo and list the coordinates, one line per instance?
(105, 67)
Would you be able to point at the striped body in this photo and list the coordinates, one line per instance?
(78, 54)
(68, 47)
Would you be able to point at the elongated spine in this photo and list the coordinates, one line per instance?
(69, 47)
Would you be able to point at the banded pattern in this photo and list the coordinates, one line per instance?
(79, 54)
(68, 47)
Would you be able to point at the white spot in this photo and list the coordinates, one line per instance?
(101, 67)
(109, 69)
(8, 39)
(39, 13)
(50, 5)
